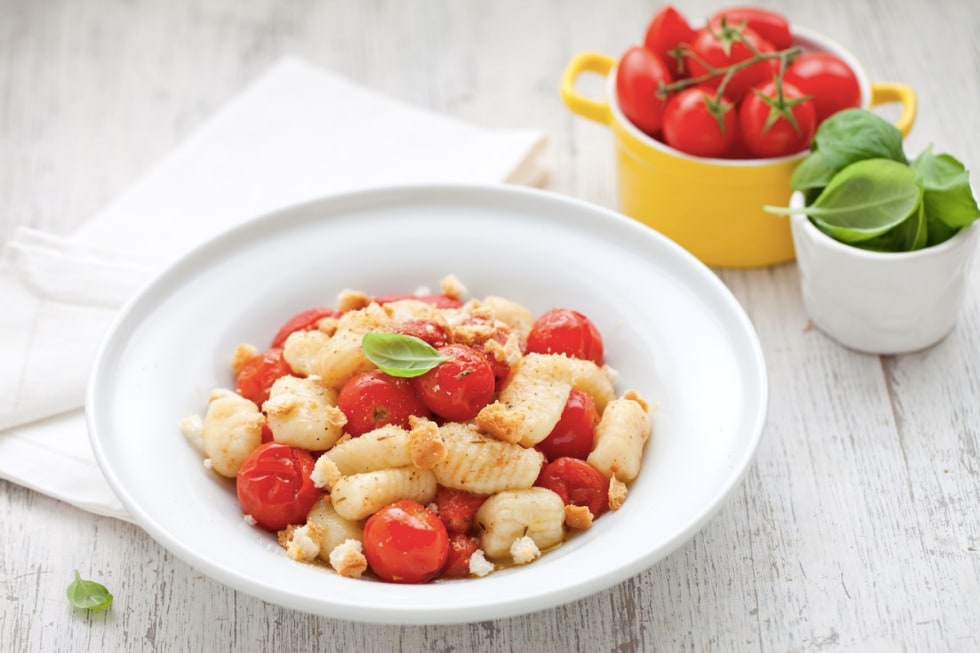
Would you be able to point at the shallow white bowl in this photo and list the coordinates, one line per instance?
(672, 330)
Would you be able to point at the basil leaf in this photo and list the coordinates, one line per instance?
(948, 196)
(397, 354)
(88, 595)
(855, 135)
(866, 199)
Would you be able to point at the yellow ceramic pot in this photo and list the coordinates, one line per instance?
(712, 207)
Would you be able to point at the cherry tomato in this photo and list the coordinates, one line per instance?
(373, 399)
(274, 485)
(457, 508)
(577, 483)
(639, 75)
(302, 321)
(457, 388)
(773, 124)
(719, 47)
(698, 123)
(439, 300)
(830, 81)
(405, 543)
(574, 434)
(564, 331)
(667, 30)
(771, 26)
(259, 373)
(433, 333)
(461, 547)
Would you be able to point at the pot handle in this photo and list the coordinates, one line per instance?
(586, 62)
(886, 92)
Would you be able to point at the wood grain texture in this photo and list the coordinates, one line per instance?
(856, 528)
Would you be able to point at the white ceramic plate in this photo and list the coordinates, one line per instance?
(671, 328)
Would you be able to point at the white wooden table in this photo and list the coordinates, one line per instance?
(858, 526)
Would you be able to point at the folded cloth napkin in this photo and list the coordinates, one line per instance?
(296, 134)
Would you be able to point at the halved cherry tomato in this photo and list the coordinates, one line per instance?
(303, 321)
(274, 485)
(698, 123)
(771, 26)
(373, 399)
(776, 124)
(461, 548)
(259, 373)
(434, 333)
(577, 483)
(457, 388)
(404, 542)
(457, 508)
(639, 75)
(437, 300)
(826, 77)
(720, 46)
(666, 32)
(564, 331)
(574, 434)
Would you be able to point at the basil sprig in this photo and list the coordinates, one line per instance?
(400, 355)
(88, 595)
(860, 188)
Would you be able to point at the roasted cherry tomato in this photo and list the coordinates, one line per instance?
(666, 32)
(373, 399)
(274, 485)
(774, 123)
(434, 333)
(457, 508)
(696, 122)
(639, 75)
(404, 542)
(574, 434)
(830, 81)
(771, 26)
(457, 388)
(720, 46)
(564, 331)
(259, 373)
(302, 321)
(437, 300)
(461, 547)
(577, 483)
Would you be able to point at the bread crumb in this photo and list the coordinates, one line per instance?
(479, 565)
(524, 550)
(348, 559)
(617, 493)
(578, 517)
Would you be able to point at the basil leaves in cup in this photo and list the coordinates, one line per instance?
(860, 188)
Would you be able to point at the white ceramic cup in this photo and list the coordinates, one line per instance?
(880, 302)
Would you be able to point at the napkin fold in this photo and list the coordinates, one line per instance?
(296, 134)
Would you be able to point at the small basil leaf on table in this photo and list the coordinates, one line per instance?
(87, 594)
(948, 196)
(400, 355)
(855, 135)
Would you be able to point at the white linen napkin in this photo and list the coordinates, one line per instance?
(296, 134)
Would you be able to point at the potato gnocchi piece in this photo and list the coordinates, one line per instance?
(531, 400)
(360, 495)
(330, 528)
(513, 314)
(504, 518)
(620, 437)
(302, 412)
(594, 380)
(484, 465)
(232, 429)
(388, 447)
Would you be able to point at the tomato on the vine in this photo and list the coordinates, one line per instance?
(776, 120)
(574, 434)
(564, 331)
(639, 75)
(458, 387)
(373, 399)
(259, 372)
(577, 483)
(302, 321)
(666, 32)
(274, 485)
(770, 25)
(404, 542)
(697, 122)
(826, 77)
(719, 46)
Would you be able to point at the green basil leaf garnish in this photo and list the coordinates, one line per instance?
(88, 595)
(400, 355)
